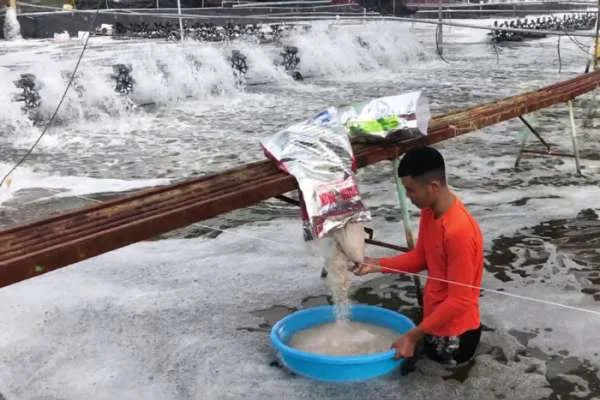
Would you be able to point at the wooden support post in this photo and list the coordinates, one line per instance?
(574, 137)
(440, 31)
(589, 115)
(410, 242)
(588, 120)
(181, 33)
(596, 44)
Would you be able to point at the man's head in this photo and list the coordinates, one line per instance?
(423, 174)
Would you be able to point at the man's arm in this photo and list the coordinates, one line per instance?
(463, 268)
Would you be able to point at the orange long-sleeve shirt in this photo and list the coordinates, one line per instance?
(450, 248)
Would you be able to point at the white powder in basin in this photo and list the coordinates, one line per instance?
(344, 338)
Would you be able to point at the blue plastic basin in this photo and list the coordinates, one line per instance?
(337, 368)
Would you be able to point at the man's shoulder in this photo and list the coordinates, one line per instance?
(461, 222)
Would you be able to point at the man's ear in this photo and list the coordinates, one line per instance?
(435, 184)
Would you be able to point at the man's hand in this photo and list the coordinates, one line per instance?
(406, 344)
(368, 266)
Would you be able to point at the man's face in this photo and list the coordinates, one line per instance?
(421, 193)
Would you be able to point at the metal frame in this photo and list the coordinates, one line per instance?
(549, 151)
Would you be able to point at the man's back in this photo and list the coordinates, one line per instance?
(453, 249)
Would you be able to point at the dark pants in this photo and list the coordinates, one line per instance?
(452, 350)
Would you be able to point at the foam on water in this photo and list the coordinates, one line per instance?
(456, 34)
(63, 186)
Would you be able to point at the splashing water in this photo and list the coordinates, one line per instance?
(12, 28)
(168, 73)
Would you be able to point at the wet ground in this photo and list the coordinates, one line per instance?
(521, 256)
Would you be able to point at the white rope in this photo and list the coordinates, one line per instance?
(491, 28)
(57, 12)
(338, 17)
(233, 16)
(331, 19)
(307, 10)
(72, 195)
(536, 12)
(20, 3)
(447, 5)
(277, 3)
(244, 235)
(483, 289)
(299, 9)
(315, 13)
(61, 100)
(252, 18)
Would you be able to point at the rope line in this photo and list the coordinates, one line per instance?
(62, 99)
(482, 288)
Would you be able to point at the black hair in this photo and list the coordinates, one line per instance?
(423, 162)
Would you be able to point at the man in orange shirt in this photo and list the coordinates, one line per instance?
(450, 248)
